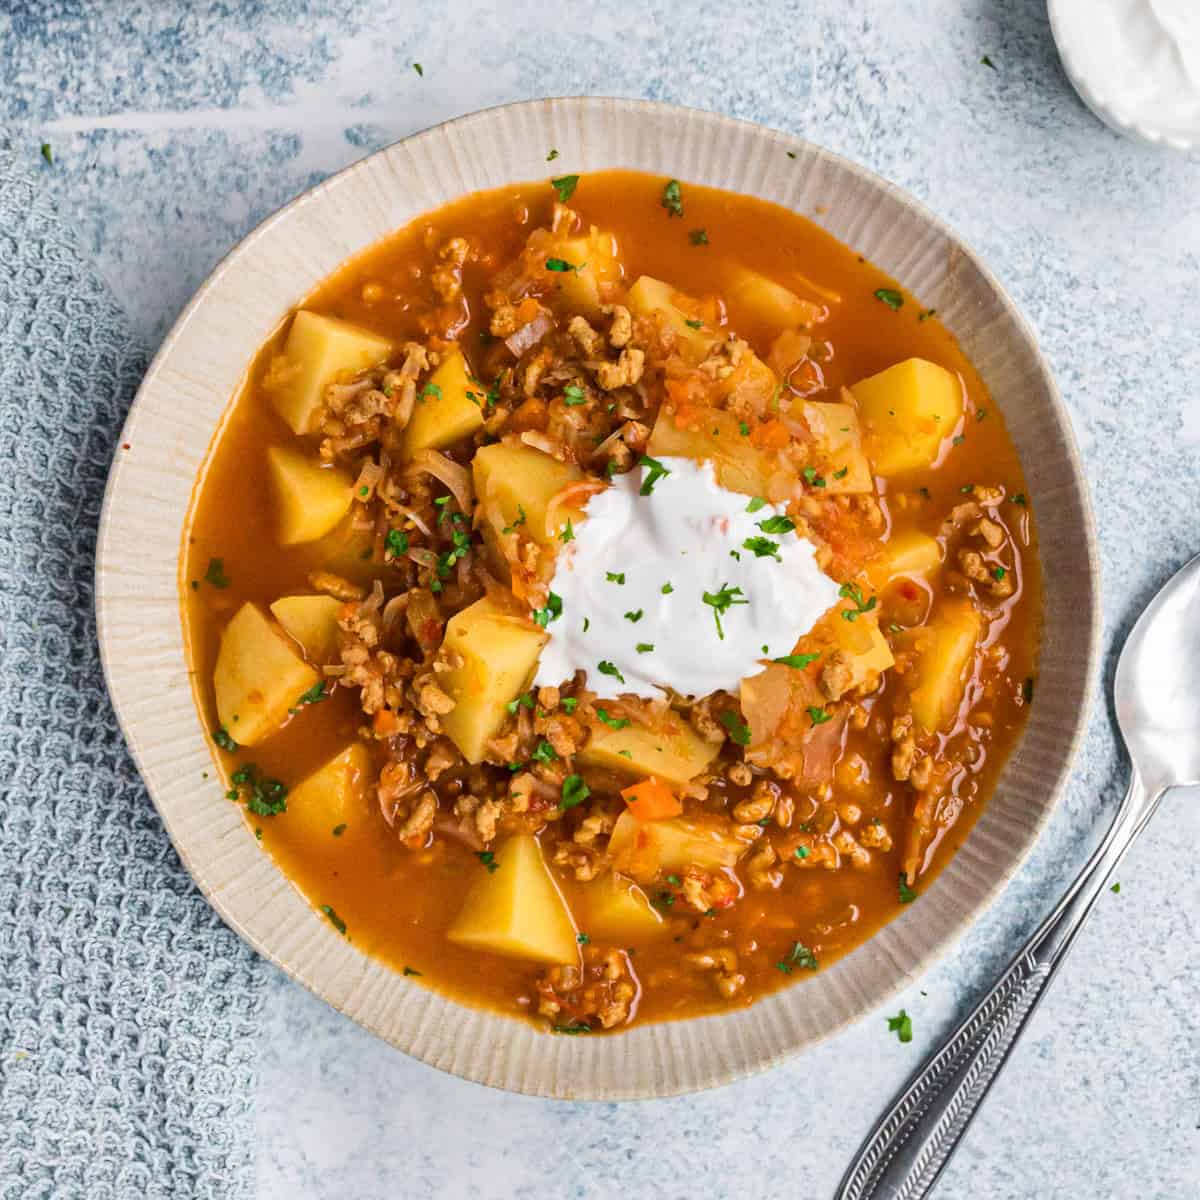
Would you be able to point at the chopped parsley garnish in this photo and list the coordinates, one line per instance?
(998, 573)
(722, 601)
(901, 1026)
(568, 704)
(315, 694)
(907, 894)
(743, 429)
(396, 542)
(612, 722)
(552, 611)
(552, 156)
(801, 852)
(987, 62)
(338, 830)
(614, 577)
(812, 478)
(957, 440)
(558, 264)
(656, 471)
(525, 699)
(582, 939)
(488, 858)
(574, 791)
(1027, 690)
(762, 547)
(924, 316)
(430, 389)
(798, 956)
(521, 518)
(216, 573)
(334, 919)
(607, 668)
(574, 395)
(587, 621)
(818, 716)
(666, 589)
(799, 661)
(1115, 889)
(645, 647)
(777, 524)
(47, 153)
(672, 199)
(544, 752)
(264, 797)
(1019, 498)
(364, 490)
(564, 185)
(441, 503)
(755, 504)
(567, 532)
(625, 753)
(694, 324)
(967, 489)
(890, 297)
(739, 731)
(634, 615)
(980, 413)
(573, 1028)
(852, 592)
(842, 473)
(411, 971)
(222, 738)
(698, 237)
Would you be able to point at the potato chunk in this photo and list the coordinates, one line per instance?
(674, 755)
(839, 441)
(511, 478)
(258, 677)
(946, 650)
(498, 653)
(642, 849)
(863, 647)
(311, 498)
(649, 295)
(615, 907)
(334, 794)
(595, 260)
(312, 621)
(319, 351)
(517, 910)
(444, 412)
(908, 555)
(908, 409)
(711, 435)
(766, 302)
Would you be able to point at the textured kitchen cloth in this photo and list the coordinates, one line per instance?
(128, 1012)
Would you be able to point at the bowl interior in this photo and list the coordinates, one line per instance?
(181, 404)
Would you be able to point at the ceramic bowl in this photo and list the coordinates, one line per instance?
(185, 398)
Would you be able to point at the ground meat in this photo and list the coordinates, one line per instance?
(836, 676)
(722, 964)
(590, 343)
(760, 805)
(875, 836)
(625, 372)
(504, 322)
(447, 276)
(602, 992)
(740, 775)
(419, 821)
(761, 870)
(989, 531)
(704, 719)
(621, 329)
(335, 586)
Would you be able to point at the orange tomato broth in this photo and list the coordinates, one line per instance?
(397, 905)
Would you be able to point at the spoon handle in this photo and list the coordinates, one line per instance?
(908, 1149)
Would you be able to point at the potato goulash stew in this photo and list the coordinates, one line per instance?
(612, 599)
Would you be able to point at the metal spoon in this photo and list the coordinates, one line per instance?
(1157, 697)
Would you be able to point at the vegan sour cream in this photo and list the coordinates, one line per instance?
(672, 582)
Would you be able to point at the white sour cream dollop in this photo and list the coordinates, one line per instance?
(658, 555)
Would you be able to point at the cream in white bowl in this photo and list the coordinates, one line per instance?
(187, 393)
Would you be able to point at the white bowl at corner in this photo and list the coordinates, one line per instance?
(182, 403)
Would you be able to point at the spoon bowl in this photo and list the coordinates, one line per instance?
(1156, 692)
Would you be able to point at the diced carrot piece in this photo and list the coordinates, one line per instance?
(385, 722)
(651, 800)
(527, 310)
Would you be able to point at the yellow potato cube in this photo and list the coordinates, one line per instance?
(862, 646)
(312, 621)
(908, 555)
(311, 498)
(319, 351)
(596, 262)
(674, 755)
(712, 435)
(498, 653)
(649, 295)
(835, 428)
(445, 413)
(642, 849)
(258, 677)
(908, 410)
(615, 907)
(517, 910)
(766, 302)
(334, 794)
(511, 478)
(946, 652)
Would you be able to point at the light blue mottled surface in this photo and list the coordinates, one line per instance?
(177, 127)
